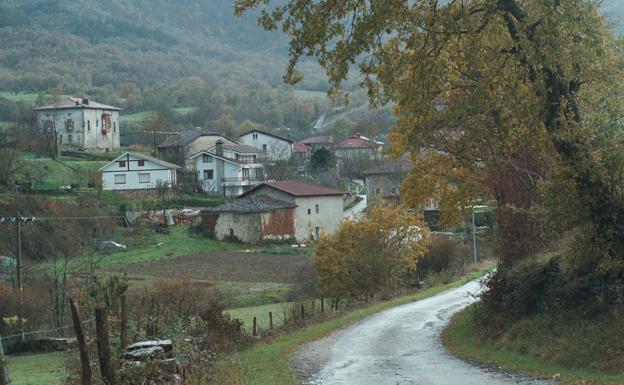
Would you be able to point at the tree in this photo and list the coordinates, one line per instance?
(322, 160)
(492, 88)
(370, 256)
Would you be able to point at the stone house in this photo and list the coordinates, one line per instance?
(276, 147)
(135, 171)
(228, 169)
(383, 183)
(319, 209)
(359, 146)
(251, 219)
(180, 147)
(79, 123)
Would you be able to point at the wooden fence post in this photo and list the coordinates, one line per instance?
(124, 322)
(103, 346)
(254, 331)
(271, 321)
(302, 314)
(4, 372)
(85, 368)
(322, 304)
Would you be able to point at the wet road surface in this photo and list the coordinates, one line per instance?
(400, 346)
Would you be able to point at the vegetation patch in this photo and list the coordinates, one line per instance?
(580, 350)
(269, 362)
(36, 369)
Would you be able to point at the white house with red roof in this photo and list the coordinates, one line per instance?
(80, 123)
(318, 209)
(359, 146)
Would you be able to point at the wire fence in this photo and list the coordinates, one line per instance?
(43, 332)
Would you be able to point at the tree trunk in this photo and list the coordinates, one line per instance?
(85, 368)
(124, 322)
(103, 346)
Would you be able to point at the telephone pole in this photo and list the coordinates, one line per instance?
(18, 251)
(474, 238)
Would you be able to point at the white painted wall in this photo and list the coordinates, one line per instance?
(158, 175)
(87, 131)
(276, 149)
(229, 170)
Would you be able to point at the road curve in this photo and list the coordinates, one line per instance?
(400, 346)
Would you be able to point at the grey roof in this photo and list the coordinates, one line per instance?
(252, 204)
(183, 138)
(390, 167)
(77, 103)
(142, 156)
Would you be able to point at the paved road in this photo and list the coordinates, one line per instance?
(400, 346)
(355, 211)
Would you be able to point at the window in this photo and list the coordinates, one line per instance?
(316, 208)
(69, 138)
(141, 163)
(264, 147)
(317, 232)
(246, 173)
(207, 159)
(309, 211)
(208, 174)
(88, 125)
(106, 123)
(114, 126)
(69, 125)
(122, 163)
(144, 177)
(394, 191)
(120, 178)
(97, 123)
(377, 190)
(255, 136)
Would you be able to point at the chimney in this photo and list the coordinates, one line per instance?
(85, 101)
(219, 147)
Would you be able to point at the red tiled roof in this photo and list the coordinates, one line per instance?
(300, 147)
(318, 139)
(299, 189)
(357, 141)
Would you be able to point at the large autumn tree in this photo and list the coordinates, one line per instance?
(517, 99)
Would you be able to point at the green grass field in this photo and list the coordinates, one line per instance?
(36, 369)
(50, 174)
(545, 345)
(141, 116)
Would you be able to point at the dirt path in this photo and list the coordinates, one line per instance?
(400, 346)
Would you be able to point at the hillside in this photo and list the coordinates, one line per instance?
(87, 44)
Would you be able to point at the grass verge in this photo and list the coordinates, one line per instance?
(36, 369)
(542, 346)
(269, 362)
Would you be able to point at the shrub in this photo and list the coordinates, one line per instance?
(444, 253)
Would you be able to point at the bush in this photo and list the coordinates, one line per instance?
(444, 254)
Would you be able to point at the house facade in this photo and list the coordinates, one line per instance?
(180, 147)
(78, 123)
(134, 171)
(228, 169)
(275, 146)
(251, 219)
(383, 182)
(358, 146)
(319, 209)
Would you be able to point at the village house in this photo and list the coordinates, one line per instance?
(135, 171)
(79, 123)
(359, 146)
(251, 219)
(301, 152)
(276, 147)
(318, 142)
(383, 181)
(319, 209)
(180, 147)
(228, 169)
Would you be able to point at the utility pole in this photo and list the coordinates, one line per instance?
(18, 251)
(474, 238)
(4, 371)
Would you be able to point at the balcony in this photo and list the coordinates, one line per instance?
(244, 181)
